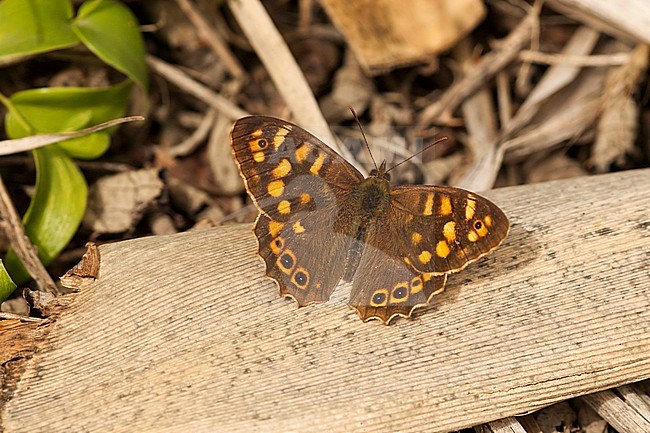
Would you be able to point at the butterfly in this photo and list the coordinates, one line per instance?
(321, 221)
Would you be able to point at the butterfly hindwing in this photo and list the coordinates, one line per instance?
(384, 287)
(303, 255)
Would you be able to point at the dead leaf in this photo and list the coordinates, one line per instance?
(559, 417)
(351, 88)
(589, 420)
(552, 167)
(227, 178)
(618, 125)
(385, 34)
(186, 197)
(116, 203)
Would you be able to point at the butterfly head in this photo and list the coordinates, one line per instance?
(380, 172)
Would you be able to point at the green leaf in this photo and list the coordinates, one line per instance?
(111, 31)
(34, 26)
(56, 209)
(7, 286)
(65, 109)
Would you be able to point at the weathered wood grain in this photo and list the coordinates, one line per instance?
(182, 333)
(617, 412)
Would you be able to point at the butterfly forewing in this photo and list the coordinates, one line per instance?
(443, 229)
(285, 168)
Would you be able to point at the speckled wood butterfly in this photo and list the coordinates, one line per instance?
(321, 222)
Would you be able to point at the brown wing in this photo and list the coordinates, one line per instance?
(384, 287)
(286, 169)
(303, 255)
(298, 183)
(440, 230)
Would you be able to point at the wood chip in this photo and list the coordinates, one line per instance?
(84, 272)
(624, 19)
(616, 412)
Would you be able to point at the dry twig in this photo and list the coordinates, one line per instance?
(15, 232)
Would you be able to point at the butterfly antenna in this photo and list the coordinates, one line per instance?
(354, 113)
(418, 153)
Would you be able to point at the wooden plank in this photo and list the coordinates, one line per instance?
(183, 333)
(617, 412)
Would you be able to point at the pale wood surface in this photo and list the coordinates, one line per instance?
(182, 333)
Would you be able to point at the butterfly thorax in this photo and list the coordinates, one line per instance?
(372, 196)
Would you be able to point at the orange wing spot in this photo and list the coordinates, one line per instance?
(470, 208)
(488, 220)
(283, 169)
(472, 236)
(407, 261)
(426, 277)
(424, 257)
(305, 198)
(428, 205)
(481, 228)
(302, 152)
(298, 228)
(445, 206)
(277, 245)
(400, 293)
(442, 249)
(416, 238)
(286, 262)
(284, 207)
(449, 231)
(275, 228)
(257, 145)
(275, 188)
(379, 298)
(409, 218)
(256, 133)
(279, 137)
(300, 278)
(416, 285)
(318, 164)
(259, 157)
